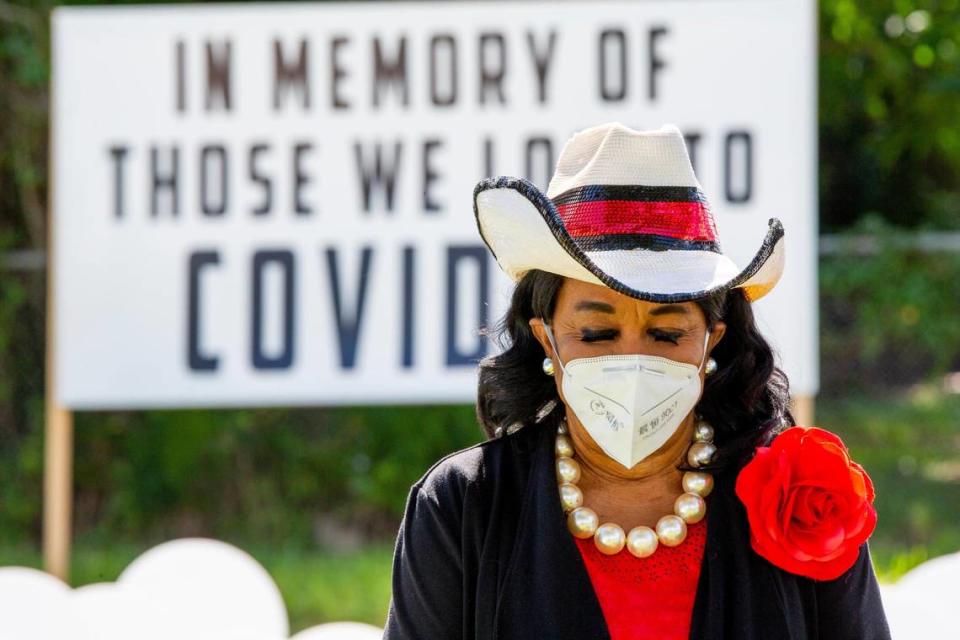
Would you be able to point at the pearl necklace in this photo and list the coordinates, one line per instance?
(670, 530)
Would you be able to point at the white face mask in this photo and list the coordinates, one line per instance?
(630, 404)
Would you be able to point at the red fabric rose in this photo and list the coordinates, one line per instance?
(809, 505)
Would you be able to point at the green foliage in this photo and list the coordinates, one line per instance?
(21, 484)
(272, 474)
(885, 315)
(13, 297)
(889, 113)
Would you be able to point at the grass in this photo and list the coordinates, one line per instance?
(909, 444)
(321, 587)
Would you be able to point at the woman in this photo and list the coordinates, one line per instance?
(638, 480)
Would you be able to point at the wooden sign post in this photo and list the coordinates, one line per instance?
(57, 490)
(802, 408)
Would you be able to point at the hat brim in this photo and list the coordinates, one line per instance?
(523, 230)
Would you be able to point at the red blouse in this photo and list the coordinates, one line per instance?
(647, 597)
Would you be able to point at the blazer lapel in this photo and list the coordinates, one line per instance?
(737, 594)
(547, 591)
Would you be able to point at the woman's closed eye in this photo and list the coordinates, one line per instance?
(596, 335)
(659, 335)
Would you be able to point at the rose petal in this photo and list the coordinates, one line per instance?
(819, 543)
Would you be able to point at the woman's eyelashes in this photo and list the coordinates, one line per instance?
(595, 335)
(666, 336)
(659, 335)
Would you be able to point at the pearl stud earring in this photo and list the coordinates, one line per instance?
(711, 366)
(548, 366)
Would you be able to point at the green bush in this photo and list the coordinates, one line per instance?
(889, 117)
(887, 318)
(267, 474)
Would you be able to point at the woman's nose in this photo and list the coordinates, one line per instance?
(633, 340)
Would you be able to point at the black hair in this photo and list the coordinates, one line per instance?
(745, 399)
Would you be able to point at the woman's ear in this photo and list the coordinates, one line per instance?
(716, 334)
(537, 327)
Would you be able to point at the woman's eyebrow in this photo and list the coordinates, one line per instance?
(594, 305)
(604, 307)
(668, 308)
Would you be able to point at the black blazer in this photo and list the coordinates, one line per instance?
(483, 551)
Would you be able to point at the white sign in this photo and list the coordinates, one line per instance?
(272, 204)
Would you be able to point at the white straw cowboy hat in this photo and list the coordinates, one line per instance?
(623, 209)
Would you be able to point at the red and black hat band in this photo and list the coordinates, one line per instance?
(611, 217)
